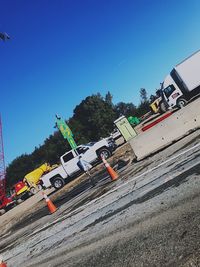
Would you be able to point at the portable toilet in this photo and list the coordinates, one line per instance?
(125, 128)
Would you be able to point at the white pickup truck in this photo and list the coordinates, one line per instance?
(91, 152)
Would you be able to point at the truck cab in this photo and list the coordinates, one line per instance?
(183, 82)
(171, 92)
(6, 203)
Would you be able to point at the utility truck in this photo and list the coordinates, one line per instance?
(183, 83)
(92, 152)
(31, 182)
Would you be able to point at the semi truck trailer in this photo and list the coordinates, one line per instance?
(183, 82)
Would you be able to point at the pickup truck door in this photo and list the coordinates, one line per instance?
(69, 162)
(88, 153)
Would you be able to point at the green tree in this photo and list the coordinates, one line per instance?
(126, 109)
(144, 104)
(143, 95)
(108, 98)
(95, 116)
(18, 169)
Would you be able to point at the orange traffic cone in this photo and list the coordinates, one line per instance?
(52, 208)
(2, 263)
(110, 170)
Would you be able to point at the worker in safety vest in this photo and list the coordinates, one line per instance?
(85, 167)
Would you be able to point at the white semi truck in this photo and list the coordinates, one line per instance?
(183, 83)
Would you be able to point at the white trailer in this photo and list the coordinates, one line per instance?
(183, 82)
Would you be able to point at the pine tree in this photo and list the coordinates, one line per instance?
(143, 95)
(108, 98)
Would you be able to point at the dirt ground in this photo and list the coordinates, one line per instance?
(123, 155)
(148, 217)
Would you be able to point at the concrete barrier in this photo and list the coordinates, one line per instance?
(165, 133)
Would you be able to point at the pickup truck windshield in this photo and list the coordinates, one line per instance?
(90, 144)
(82, 150)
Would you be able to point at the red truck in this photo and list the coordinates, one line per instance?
(6, 203)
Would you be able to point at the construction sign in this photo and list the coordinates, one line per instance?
(66, 132)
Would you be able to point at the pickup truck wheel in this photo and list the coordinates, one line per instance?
(2, 211)
(104, 152)
(19, 201)
(181, 102)
(58, 183)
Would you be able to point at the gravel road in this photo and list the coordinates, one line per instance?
(148, 217)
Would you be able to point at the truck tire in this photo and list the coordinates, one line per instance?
(39, 186)
(2, 211)
(19, 201)
(181, 102)
(163, 107)
(58, 182)
(104, 152)
(33, 190)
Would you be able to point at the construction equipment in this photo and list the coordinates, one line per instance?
(155, 105)
(32, 179)
(22, 191)
(133, 120)
(6, 203)
(31, 182)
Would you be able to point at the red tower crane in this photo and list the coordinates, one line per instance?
(2, 163)
(5, 202)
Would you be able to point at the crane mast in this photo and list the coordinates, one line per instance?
(2, 163)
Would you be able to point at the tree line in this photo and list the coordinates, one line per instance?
(92, 119)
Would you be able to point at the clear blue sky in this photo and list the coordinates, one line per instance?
(62, 51)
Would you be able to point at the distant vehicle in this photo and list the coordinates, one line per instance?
(182, 84)
(6, 203)
(92, 152)
(155, 106)
(22, 191)
(31, 182)
(116, 134)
